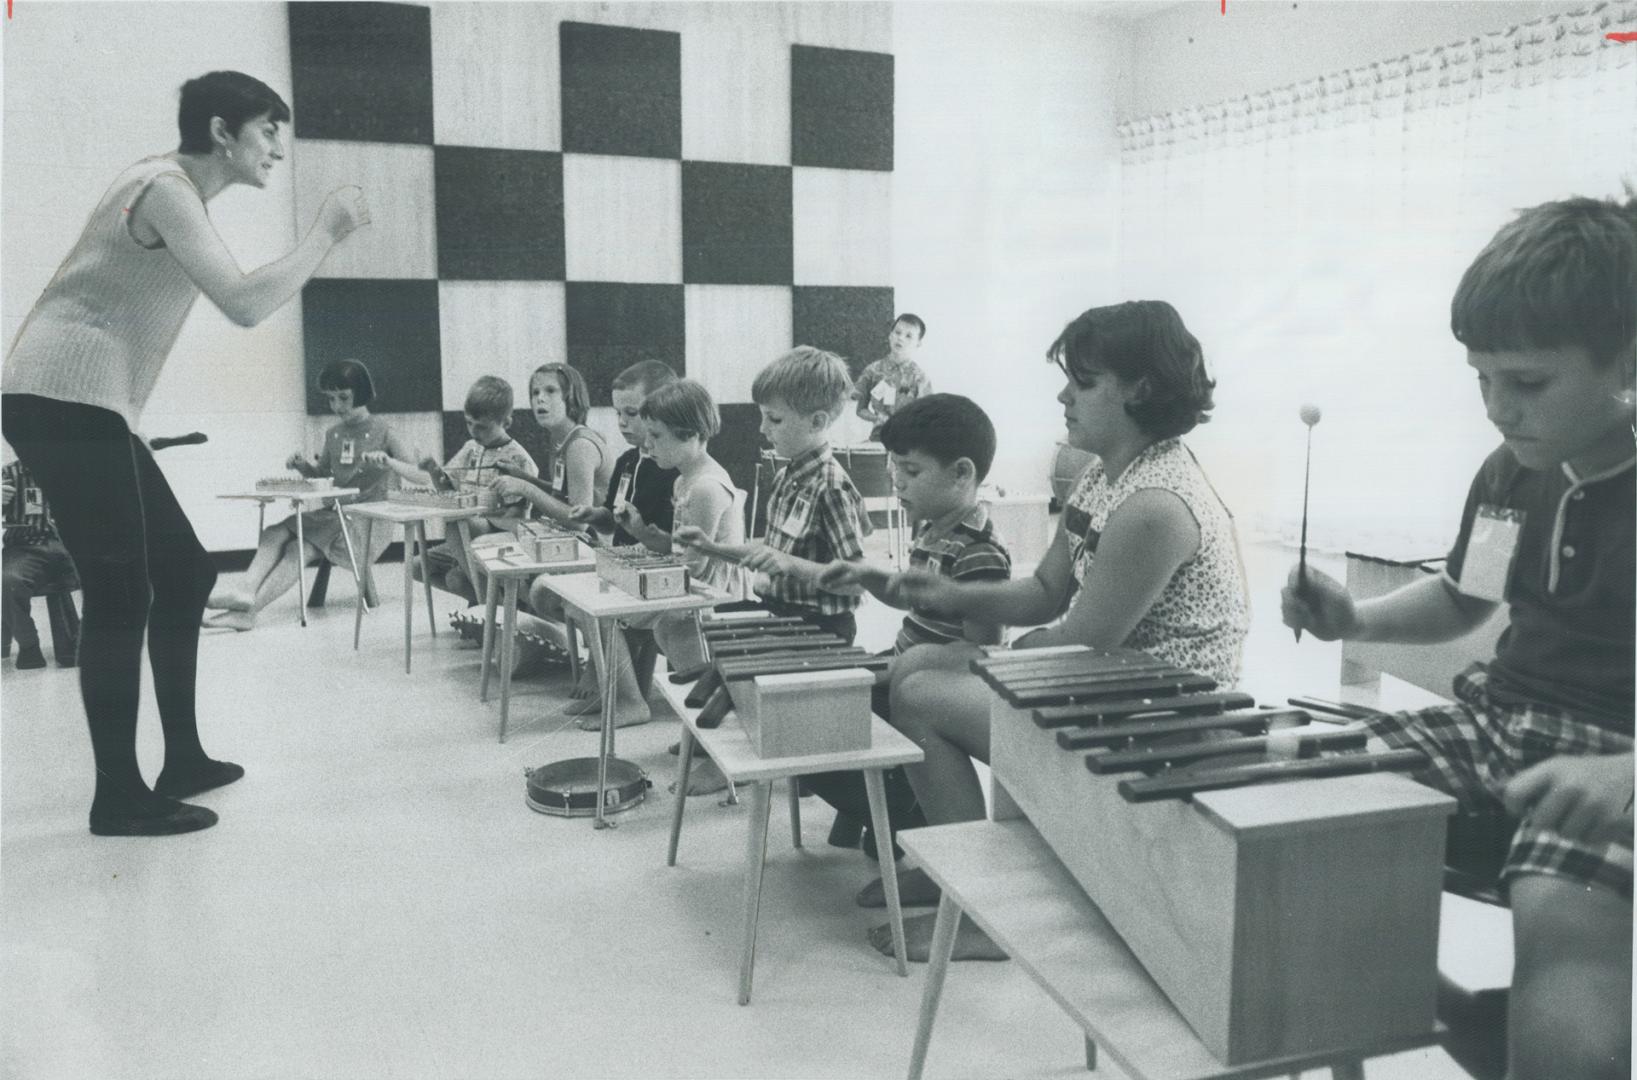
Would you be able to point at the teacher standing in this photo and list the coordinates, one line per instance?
(71, 398)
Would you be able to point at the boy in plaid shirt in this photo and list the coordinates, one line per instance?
(32, 560)
(1543, 733)
(814, 513)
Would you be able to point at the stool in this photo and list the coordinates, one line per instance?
(64, 617)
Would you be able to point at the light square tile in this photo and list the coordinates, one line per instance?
(842, 225)
(400, 240)
(622, 219)
(504, 328)
(495, 76)
(735, 93)
(733, 331)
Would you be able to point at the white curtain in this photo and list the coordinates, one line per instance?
(1312, 237)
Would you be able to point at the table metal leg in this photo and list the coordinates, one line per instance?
(409, 586)
(571, 634)
(1347, 1070)
(761, 802)
(1091, 1055)
(507, 653)
(491, 598)
(943, 944)
(605, 741)
(301, 565)
(795, 811)
(876, 787)
(684, 765)
(426, 576)
(352, 554)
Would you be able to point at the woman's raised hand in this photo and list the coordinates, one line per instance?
(343, 211)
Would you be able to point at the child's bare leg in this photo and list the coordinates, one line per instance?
(630, 707)
(948, 717)
(274, 584)
(1569, 1013)
(270, 548)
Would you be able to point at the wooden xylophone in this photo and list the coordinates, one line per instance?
(741, 649)
(1280, 918)
(444, 500)
(644, 574)
(295, 485)
(546, 543)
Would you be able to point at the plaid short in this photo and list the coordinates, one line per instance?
(1477, 745)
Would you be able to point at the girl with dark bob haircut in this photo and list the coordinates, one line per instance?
(74, 389)
(1141, 341)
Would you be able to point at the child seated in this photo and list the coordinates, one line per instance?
(1543, 732)
(32, 561)
(941, 447)
(577, 460)
(815, 515)
(1145, 557)
(350, 453)
(680, 419)
(636, 479)
(478, 465)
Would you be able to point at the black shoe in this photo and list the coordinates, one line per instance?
(180, 784)
(68, 660)
(165, 819)
(29, 657)
(845, 831)
(868, 844)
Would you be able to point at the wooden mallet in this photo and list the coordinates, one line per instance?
(1310, 414)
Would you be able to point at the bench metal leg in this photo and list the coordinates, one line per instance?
(761, 802)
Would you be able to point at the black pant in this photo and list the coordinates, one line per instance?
(847, 793)
(142, 569)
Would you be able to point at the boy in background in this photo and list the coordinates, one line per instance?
(896, 379)
(1543, 733)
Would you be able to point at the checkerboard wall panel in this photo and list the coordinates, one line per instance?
(704, 184)
(361, 72)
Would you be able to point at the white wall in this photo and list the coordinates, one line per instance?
(89, 89)
(1005, 201)
(1193, 54)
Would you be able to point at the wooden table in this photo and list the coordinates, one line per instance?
(731, 749)
(413, 520)
(604, 606)
(1004, 877)
(506, 567)
(297, 500)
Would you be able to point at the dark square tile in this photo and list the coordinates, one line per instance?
(612, 326)
(622, 90)
(500, 214)
(361, 72)
(841, 105)
(392, 326)
(850, 322)
(738, 447)
(736, 224)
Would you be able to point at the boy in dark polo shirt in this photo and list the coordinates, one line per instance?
(1543, 733)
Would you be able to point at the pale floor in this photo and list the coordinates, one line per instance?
(379, 902)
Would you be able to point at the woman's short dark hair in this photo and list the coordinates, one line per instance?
(232, 95)
(348, 375)
(576, 398)
(1141, 340)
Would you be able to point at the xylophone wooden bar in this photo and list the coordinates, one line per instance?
(1145, 757)
(1187, 784)
(1249, 721)
(1163, 685)
(1180, 703)
(709, 679)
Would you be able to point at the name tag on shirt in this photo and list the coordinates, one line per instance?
(33, 501)
(885, 393)
(557, 474)
(1491, 550)
(622, 493)
(349, 451)
(796, 521)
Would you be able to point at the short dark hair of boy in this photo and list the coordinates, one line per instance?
(806, 379)
(490, 398)
(1559, 274)
(348, 375)
(232, 95)
(915, 321)
(1142, 340)
(685, 407)
(947, 427)
(576, 398)
(646, 375)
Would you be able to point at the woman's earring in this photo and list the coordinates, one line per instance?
(228, 152)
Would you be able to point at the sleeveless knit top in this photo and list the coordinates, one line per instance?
(554, 469)
(1201, 617)
(728, 528)
(101, 331)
